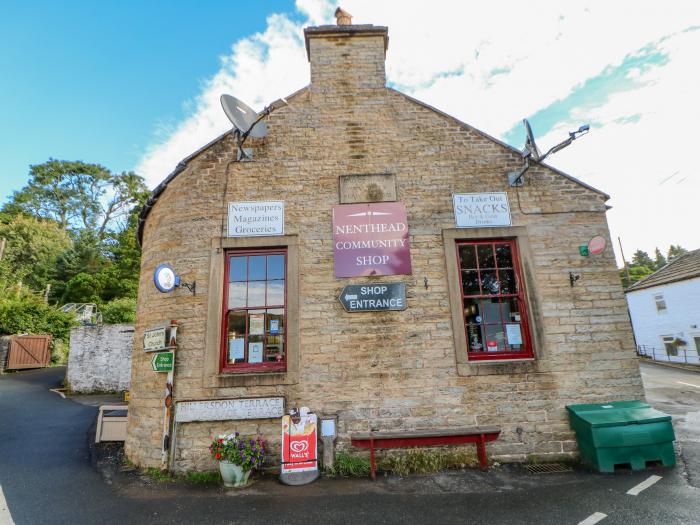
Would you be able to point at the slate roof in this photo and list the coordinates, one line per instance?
(685, 267)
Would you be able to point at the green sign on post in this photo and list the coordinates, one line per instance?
(163, 361)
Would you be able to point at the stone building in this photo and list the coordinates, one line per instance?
(495, 331)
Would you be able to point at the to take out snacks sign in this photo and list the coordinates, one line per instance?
(371, 239)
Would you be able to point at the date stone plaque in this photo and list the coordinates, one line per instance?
(367, 188)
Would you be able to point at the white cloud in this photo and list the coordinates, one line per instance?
(493, 64)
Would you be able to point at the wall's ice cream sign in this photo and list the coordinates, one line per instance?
(371, 239)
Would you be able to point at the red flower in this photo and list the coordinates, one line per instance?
(218, 456)
(219, 440)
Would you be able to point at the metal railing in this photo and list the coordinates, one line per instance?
(683, 355)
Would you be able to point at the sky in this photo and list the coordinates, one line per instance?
(136, 85)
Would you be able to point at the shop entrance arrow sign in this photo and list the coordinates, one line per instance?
(378, 297)
(163, 361)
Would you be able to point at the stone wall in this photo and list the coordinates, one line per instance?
(100, 358)
(5, 341)
(391, 370)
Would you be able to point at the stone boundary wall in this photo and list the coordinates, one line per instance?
(5, 341)
(100, 358)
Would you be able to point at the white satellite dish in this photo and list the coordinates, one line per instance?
(243, 117)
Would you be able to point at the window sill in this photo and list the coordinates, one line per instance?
(499, 361)
(261, 373)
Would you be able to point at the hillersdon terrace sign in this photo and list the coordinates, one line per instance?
(224, 409)
(254, 219)
(373, 297)
(371, 239)
(481, 210)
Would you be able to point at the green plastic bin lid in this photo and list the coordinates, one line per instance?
(618, 413)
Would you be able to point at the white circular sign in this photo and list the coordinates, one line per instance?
(164, 278)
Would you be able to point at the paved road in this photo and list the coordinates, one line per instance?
(677, 392)
(46, 477)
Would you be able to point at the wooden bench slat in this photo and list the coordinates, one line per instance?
(470, 431)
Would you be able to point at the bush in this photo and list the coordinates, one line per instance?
(119, 311)
(31, 315)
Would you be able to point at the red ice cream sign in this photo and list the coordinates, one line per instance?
(371, 239)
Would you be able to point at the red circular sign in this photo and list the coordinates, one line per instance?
(596, 245)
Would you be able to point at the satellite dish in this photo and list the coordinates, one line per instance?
(243, 117)
(530, 145)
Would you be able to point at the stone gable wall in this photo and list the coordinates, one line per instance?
(393, 370)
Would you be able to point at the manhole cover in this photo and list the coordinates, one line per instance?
(548, 468)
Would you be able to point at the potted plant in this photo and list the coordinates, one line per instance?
(237, 457)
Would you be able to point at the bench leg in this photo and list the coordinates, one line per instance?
(481, 453)
(373, 465)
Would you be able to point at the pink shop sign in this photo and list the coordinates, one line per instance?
(371, 239)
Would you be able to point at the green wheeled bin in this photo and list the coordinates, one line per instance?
(622, 432)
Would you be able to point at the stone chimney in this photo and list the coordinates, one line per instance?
(347, 57)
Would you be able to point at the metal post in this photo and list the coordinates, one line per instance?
(624, 261)
(2, 247)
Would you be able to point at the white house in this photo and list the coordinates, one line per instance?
(665, 311)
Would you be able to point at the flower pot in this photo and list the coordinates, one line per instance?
(233, 475)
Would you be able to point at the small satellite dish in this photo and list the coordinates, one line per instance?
(243, 117)
(530, 145)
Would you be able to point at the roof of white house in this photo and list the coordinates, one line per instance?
(687, 266)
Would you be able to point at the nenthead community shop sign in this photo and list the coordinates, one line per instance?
(371, 239)
(481, 210)
(373, 297)
(254, 219)
(222, 409)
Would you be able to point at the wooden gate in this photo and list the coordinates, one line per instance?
(29, 351)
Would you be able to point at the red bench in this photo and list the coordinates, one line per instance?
(426, 438)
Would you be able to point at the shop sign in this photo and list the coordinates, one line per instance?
(373, 297)
(481, 210)
(255, 219)
(299, 443)
(223, 409)
(371, 239)
(163, 362)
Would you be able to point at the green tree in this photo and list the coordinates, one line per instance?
(637, 273)
(641, 258)
(32, 249)
(78, 196)
(675, 251)
(659, 259)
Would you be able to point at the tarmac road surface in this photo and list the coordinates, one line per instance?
(46, 477)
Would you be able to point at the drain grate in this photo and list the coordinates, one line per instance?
(548, 468)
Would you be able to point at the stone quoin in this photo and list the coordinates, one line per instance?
(493, 332)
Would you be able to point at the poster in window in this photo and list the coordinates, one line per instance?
(255, 352)
(274, 326)
(257, 324)
(513, 334)
(236, 349)
(491, 346)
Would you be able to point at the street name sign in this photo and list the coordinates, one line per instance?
(379, 297)
(225, 409)
(163, 361)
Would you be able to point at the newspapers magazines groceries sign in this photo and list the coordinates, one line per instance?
(255, 219)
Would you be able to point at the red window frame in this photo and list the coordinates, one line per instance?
(519, 295)
(245, 367)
